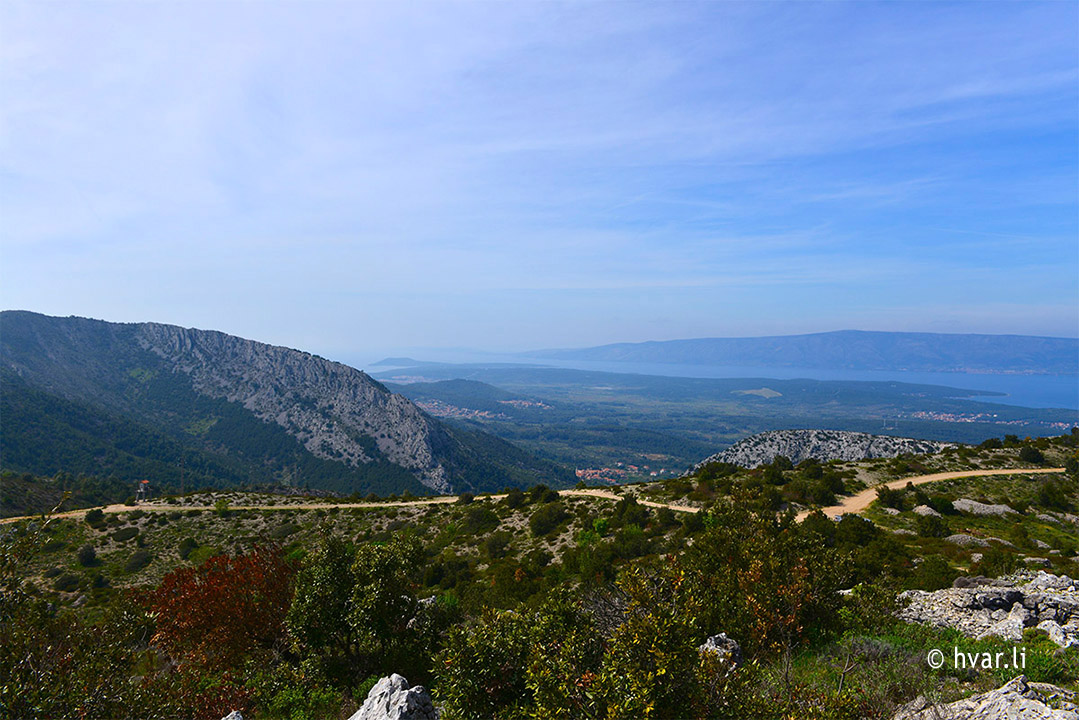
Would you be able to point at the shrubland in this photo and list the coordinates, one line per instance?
(527, 605)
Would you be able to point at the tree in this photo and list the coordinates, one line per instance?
(224, 610)
(317, 620)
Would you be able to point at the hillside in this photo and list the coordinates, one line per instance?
(853, 350)
(599, 582)
(823, 445)
(205, 408)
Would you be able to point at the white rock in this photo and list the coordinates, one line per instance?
(926, 511)
(964, 540)
(392, 699)
(234, 715)
(976, 508)
(1058, 634)
(1015, 700)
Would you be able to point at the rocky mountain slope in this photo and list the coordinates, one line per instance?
(245, 406)
(820, 444)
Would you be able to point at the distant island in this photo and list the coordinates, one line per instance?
(852, 350)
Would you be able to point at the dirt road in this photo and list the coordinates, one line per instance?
(853, 504)
(858, 503)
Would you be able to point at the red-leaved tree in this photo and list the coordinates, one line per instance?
(217, 614)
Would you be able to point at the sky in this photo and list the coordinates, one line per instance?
(380, 177)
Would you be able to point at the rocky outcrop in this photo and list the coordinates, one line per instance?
(333, 409)
(974, 507)
(799, 445)
(1001, 608)
(964, 540)
(392, 699)
(1015, 699)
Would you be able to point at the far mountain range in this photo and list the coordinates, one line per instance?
(851, 350)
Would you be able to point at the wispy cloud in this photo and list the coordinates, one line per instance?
(208, 163)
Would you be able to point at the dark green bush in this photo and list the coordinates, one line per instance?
(95, 517)
(67, 582)
(546, 518)
(187, 545)
(283, 531)
(124, 534)
(931, 526)
(138, 560)
(1032, 455)
(87, 555)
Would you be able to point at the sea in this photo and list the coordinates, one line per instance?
(1033, 391)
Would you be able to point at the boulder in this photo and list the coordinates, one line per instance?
(1011, 626)
(976, 508)
(964, 540)
(726, 648)
(392, 699)
(926, 510)
(1058, 634)
(234, 715)
(1015, 699)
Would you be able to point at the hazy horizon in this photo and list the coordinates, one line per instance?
(362, 178)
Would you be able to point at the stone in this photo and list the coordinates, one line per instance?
(977, 508)
(890, 511)
(904, 531)
(1011, 626)
(234, 715)
(976, 557)
(1058, 634)
(392, 699)
(1014, 700)
(981, 607)
(964, 540)
(927, 511)
(726, 648)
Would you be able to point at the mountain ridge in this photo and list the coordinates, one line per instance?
(167, 376)
(852, 350)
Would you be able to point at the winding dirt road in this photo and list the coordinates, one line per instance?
(859, 502)
(853, 504)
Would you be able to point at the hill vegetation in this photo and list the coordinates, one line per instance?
(528, 603)
(193, 408)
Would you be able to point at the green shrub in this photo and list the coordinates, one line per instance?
(479, 520)
(497, 544)
(124, 534)
(138, 560)
(67, 582)
(87, 555)
(187, 546)
(931, 526)
(546, 518)
(1031, 455)
(933, 573)
(95, 518)
(283, 531)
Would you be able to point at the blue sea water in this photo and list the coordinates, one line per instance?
(1034, 391)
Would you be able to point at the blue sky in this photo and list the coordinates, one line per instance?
(364, 177)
